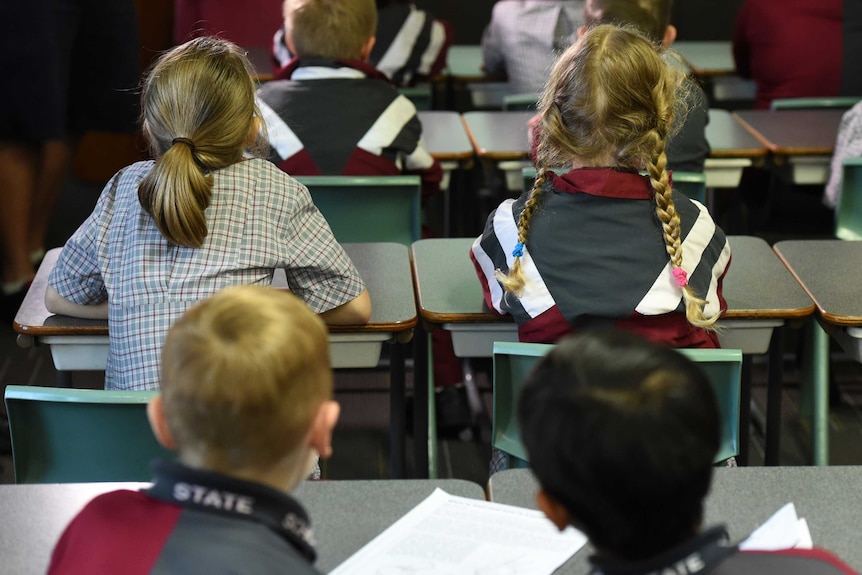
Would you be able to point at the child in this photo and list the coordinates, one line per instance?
(246, 401)
(602, 246)
(687, 149)
(411, 45)
(848, 144)
(329, 112)
(525, 36)
(636, 429)
(202, 217)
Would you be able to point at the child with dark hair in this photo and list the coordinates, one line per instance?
(601, 245)
(635, 429)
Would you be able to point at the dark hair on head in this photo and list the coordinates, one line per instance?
(650, 17)
(623, 433)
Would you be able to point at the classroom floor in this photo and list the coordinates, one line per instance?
(361, 440)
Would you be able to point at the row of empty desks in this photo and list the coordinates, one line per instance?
(760, 293)
(742, 499)
(78, 344)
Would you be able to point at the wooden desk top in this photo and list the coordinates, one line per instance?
(385, 267)
(503, 136)
(707, 58)
(742, 498)
(445, 136)
(728, 139)
(793, 132)
(829, 271)
(345, 515)
(757, 286)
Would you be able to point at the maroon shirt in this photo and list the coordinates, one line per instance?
(790, 48)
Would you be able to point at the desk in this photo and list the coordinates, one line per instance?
(345, 515)
(760, 295)
(804, 138)
(743, 498)
(502, 136)
(829, 272)
(78, 344)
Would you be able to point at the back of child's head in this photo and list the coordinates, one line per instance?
(650, 17)
(335, 29)
(243, 374)
(622, 433)
(610, 101)
(198, 111)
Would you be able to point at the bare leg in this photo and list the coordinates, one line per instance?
(17, 182)
(53, 169)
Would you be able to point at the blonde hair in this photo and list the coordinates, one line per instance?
(198, 109)
(610, 100)
(243, 374)
(335, 29)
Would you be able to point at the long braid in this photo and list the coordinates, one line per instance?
(669, 218)
(515, 281)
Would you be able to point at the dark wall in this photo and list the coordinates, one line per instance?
(468, 17)
(705, 19)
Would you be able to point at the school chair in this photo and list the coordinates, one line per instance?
(692, 184)
(520, 101)
(811, 103)
(421, 96)
(848, 213)
(369, 208)
(78, 435)
(513, 361)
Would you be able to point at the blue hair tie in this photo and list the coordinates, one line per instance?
(519, 250)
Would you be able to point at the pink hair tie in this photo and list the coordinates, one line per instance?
(681, 277)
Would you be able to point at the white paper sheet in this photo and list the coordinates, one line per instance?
(449, 535)
(784, 530)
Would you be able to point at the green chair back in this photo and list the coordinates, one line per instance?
(420, 95)
(848, 213)
(513, 361)
(369, 208)
(692, 184)
(520, 101)
(80, 435)
(812, 103)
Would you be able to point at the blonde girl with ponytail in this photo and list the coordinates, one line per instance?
(207, 213)
(596, 244)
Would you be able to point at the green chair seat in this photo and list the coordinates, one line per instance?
(812, 103)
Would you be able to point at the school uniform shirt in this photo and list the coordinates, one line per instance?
(410, 44)
(327, 117)
(595, 258)
(189, 521)
(524, 37)
(848, 144)
(709, 552)
(790, 48)
(259, 219)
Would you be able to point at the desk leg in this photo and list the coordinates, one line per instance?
(774, 389)
(744, 411)
(396, 410)
(421, 363)
(816, 382)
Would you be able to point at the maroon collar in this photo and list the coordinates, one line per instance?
(605, 182)
(286, 71)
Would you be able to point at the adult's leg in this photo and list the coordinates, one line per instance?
(53, 169)
(17, 181)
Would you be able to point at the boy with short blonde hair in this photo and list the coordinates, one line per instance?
(246, 401)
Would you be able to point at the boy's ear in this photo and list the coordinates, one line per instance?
(289, 41)
(553, 509)
(365, 54)
(320, 434)
(159, 424)
(669, 36)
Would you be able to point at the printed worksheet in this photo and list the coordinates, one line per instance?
(784, 530)
(449, 535)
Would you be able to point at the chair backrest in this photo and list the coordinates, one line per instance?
(812, 103)
(848, 213)
(513, 361)
(78, 435)
(421, 96)
(520, 101)
(692, 184)
(369, 208)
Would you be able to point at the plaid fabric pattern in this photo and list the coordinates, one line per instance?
(847, 145)
(259, 219)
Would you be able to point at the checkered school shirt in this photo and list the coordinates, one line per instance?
(259, 219)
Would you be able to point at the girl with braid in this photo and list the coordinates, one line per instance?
(602, 246)
(206, 214)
